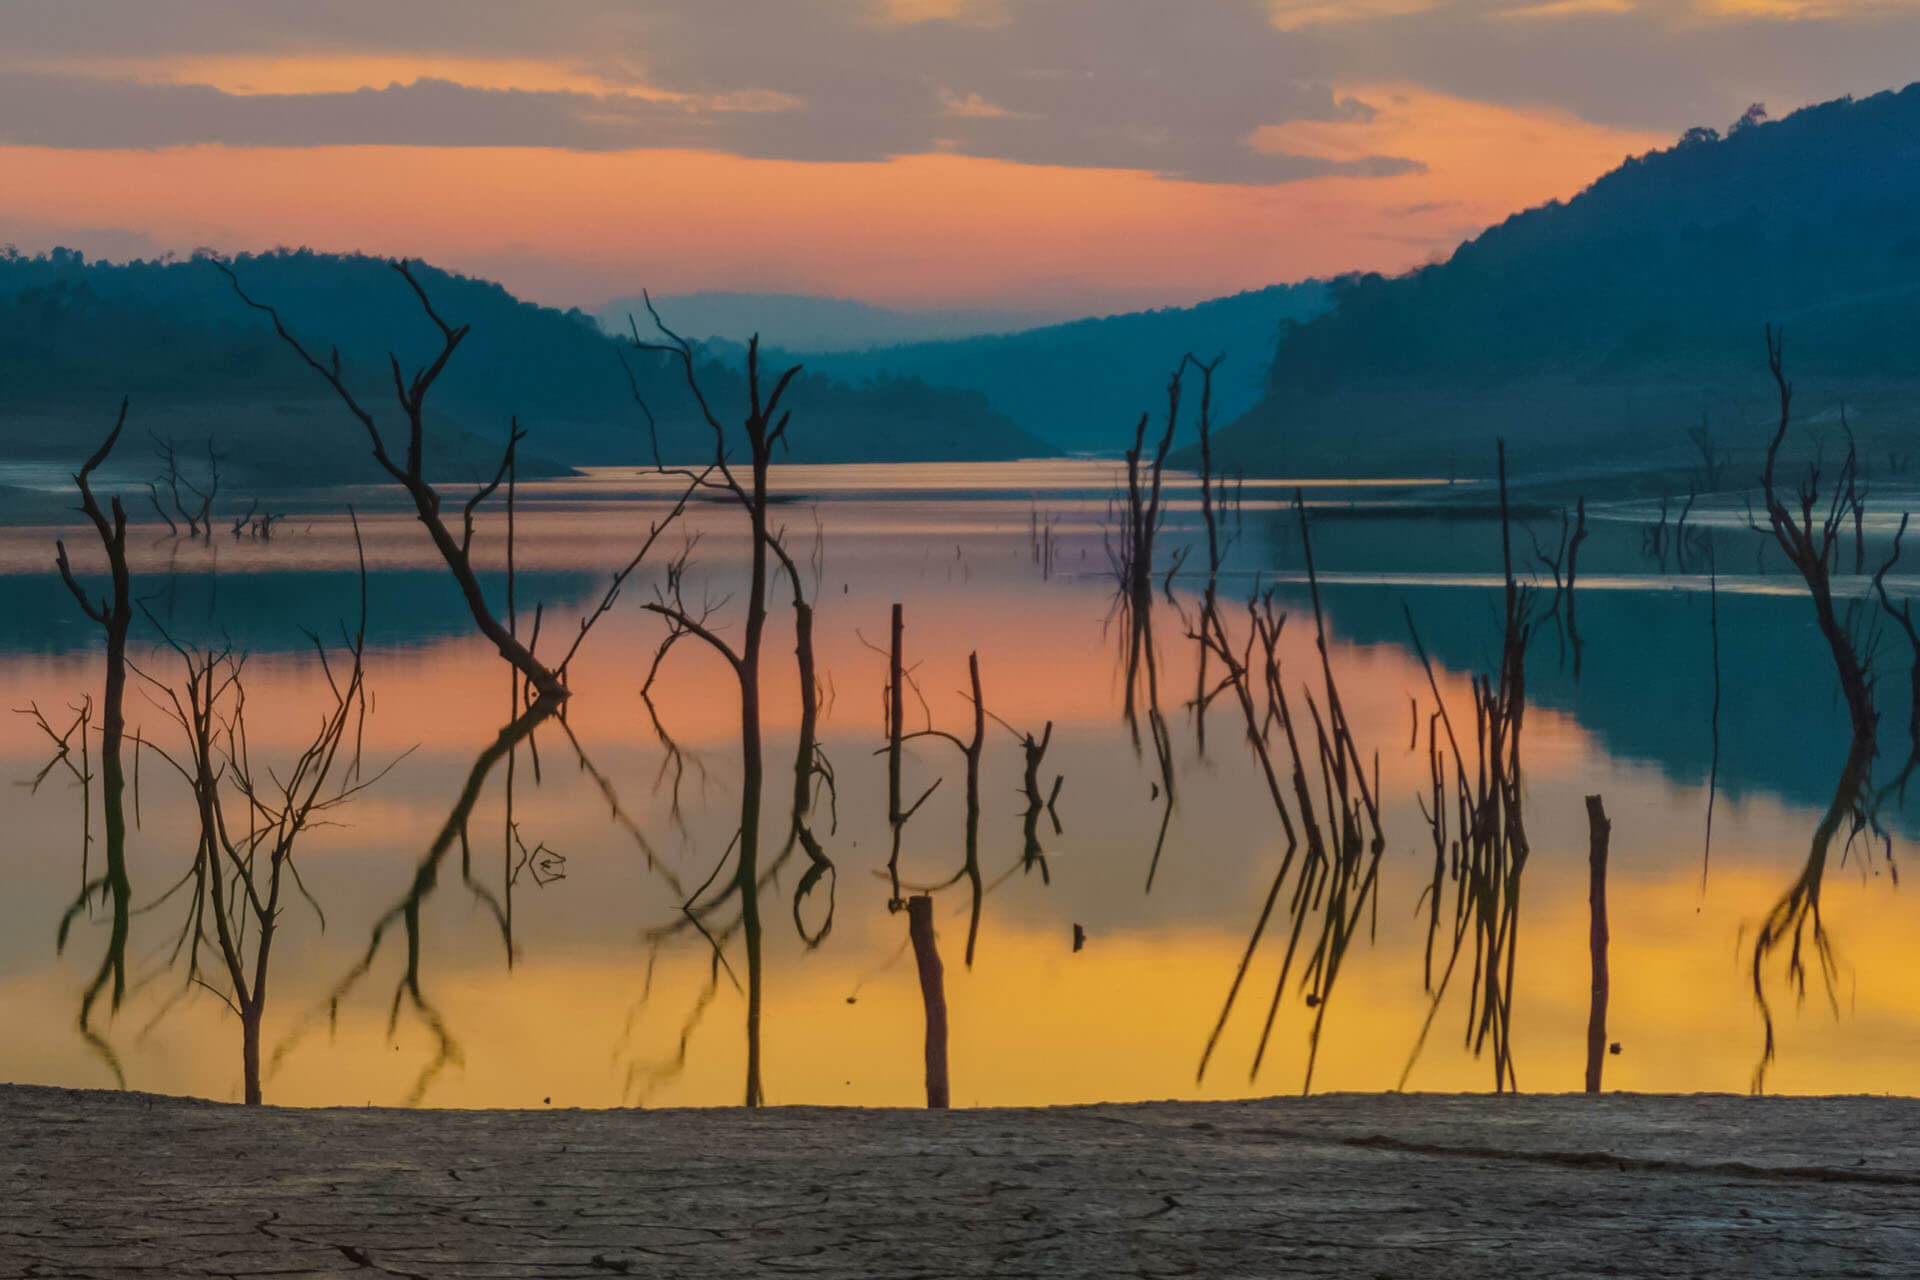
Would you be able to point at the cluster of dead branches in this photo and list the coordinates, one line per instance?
(251, 818)
(1474, 811)
(1328, 809)
(196, 508)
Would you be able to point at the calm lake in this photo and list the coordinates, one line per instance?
(547, 953)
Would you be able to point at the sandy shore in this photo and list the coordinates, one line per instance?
(121, 1185)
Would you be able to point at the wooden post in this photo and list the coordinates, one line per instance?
(1599, 829)
(932, 994)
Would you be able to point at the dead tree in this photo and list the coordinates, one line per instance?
(763, 427)
(244, 867)
(1811, 544)
(197, 515)
(1713, 458)
(1217, 545)
(113, 614)
(1573, 568)
(409, 471)
(1132, 553)
(1810, 538)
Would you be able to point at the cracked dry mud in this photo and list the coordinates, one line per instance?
(125, 1185)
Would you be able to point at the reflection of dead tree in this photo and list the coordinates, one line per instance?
(1713, 716)
(1794, 921)
(197, 515)
(1485, 852)
(764, 426)
(1903, 618)
(898, 676)
(543, 865)
(407, 911)
(113, 614)
(1811, 542)
(1035, 750)
(1333, 881)
(971, 750)
(410, 471)
(241, 865)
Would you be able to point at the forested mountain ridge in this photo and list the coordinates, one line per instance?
(76, 335)
(1083, 384)
(1605, 326)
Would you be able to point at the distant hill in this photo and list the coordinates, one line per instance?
(1083, 385)
(77, 335)
(1599, 330)
(809, 325)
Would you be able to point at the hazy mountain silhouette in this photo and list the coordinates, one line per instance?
(808, 325)
(76, 335)
(1082, 385)
(1600, 329)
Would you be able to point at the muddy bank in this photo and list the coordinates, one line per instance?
(120, 1185)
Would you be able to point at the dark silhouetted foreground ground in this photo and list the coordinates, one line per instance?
(113, 1185)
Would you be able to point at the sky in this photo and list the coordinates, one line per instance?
(1051, 156)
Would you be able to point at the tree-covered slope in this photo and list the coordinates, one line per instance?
(1612, 322)
(1081, 386)
(76, 335)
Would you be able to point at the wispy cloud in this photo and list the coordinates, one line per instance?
(1567, 9)
(1293, 15)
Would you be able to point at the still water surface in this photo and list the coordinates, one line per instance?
(554, 960)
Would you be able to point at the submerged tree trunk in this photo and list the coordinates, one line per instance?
(1599, 830)
(250, 1052)
(933, 995)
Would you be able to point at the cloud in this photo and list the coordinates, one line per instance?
(1079, 120)
(1292, 15)
(1144, 85)
(1567, 8)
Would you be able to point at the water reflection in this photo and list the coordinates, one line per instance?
(599, 986)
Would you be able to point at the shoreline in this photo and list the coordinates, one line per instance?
(101, 1183)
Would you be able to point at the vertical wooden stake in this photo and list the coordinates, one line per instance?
(1599, 829)
(932, 994)
(896, 710)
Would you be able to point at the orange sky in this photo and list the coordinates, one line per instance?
(1052, 156)
(559, 225)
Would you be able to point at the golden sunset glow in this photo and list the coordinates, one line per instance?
(961, 229)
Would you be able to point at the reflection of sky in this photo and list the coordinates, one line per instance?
(1033, 1022)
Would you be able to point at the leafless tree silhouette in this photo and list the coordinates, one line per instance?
(410, 470)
